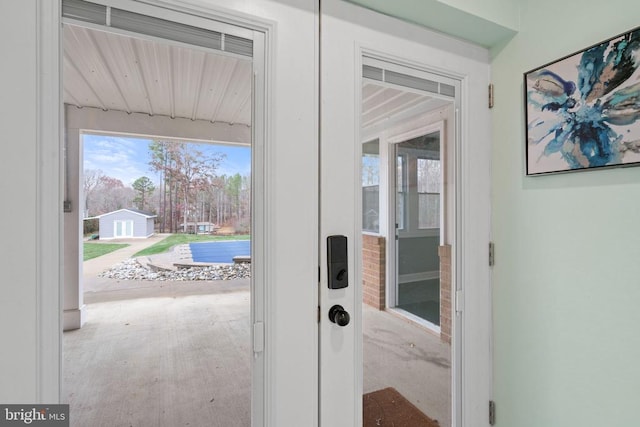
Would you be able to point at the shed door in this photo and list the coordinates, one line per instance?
(123, 228)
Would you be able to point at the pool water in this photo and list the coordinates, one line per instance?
(219, 251)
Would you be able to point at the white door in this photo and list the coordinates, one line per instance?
(123, 228)
(349, 33)
(285, 158)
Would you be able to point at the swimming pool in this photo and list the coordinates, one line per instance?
(219, 251)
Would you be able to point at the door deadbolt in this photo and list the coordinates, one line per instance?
(339, 316)
(337, 262)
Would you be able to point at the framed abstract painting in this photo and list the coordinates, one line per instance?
(583, 111)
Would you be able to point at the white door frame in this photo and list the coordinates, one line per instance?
(393, 274)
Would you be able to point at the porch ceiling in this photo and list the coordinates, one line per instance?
(381, 103)
(138, 75)
(119, 72)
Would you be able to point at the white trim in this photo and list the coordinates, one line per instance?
(418, 277)
(74, 318)
(416, 319)
(49, 244)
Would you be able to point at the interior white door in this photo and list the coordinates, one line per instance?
(348, 33)
(285, 167)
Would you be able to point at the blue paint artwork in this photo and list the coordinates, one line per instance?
(582, 111)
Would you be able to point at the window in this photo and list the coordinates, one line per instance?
(371, 186)
(401, 190)
(429, 184)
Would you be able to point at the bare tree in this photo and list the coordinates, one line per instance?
(91, 179)
(185, 172)
(110, 195)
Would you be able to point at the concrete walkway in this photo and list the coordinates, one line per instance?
(93, 267)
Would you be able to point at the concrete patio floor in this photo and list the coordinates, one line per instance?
(177, 354)
(161, 354)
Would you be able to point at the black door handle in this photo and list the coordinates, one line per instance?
(339, 316)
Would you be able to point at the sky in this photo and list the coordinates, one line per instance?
(127, 159)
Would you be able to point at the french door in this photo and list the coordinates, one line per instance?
(308, 367)
(123, 228)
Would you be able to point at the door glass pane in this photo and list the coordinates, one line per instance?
(429, 182)
(371, 186)
(418, 262)
(187, 186)
(400, 192)
(401, 269)
(428, 210)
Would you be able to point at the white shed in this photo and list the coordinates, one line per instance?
(126, 223)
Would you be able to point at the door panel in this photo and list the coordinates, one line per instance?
(347, 33)
(285, 160)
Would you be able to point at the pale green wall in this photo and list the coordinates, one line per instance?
(483, 22)
(566, 282)
(502, 12)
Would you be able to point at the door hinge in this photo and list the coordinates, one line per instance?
(492, 254)
(491, 99)
(258, 337)
(492, 412)
(318, 314)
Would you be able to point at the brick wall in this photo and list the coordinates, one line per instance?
(374, 270)
(445, 293)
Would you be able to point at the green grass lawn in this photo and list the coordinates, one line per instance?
(178, 239)
(94, 250)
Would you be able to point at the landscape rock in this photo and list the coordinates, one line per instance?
(131, 269)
